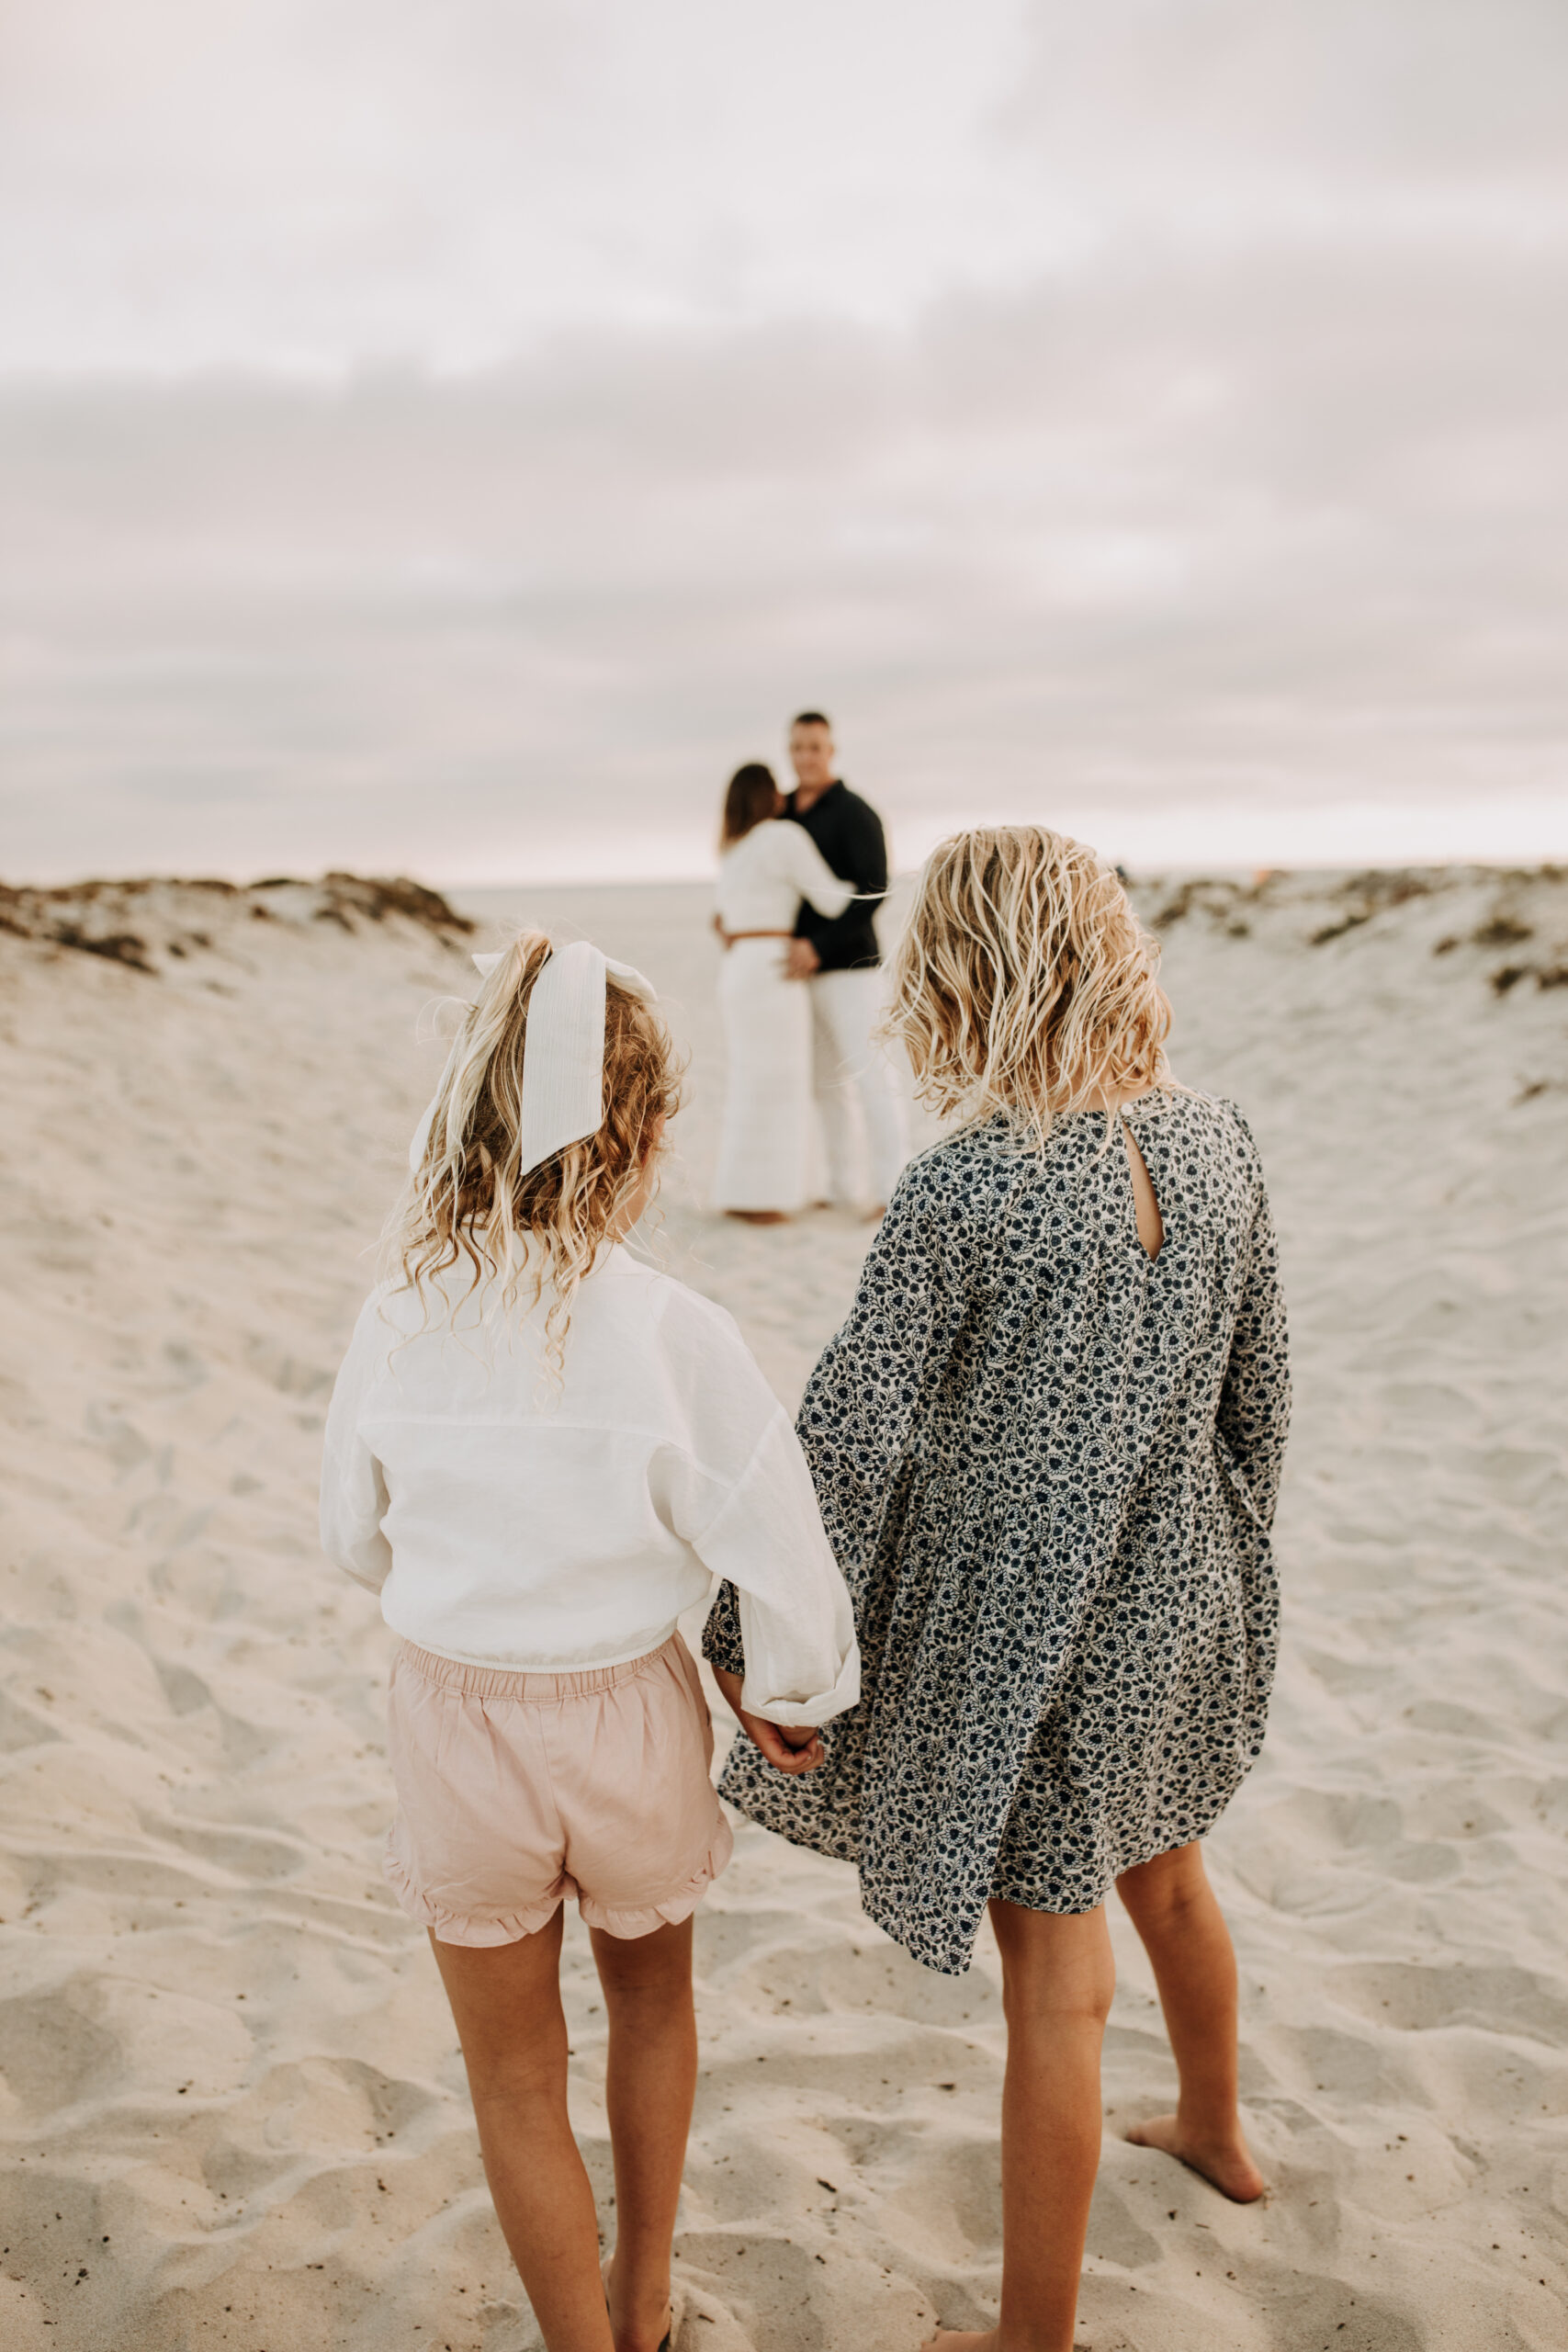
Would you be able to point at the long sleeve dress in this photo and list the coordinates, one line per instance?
(765, 1142)
(1048, 1467)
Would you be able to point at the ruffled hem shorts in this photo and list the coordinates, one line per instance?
(515, 1791)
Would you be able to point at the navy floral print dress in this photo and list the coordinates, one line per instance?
(1048, 1466)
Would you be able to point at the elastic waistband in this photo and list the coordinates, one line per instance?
(533, 1688)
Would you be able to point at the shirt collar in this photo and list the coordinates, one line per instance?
(837, 785)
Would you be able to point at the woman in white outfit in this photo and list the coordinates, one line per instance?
(767, 866)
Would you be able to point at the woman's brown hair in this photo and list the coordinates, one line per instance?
(752, 797)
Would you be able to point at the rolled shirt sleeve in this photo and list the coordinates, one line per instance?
(741, 1495)
(802, 1659)
(909, 1306)
(761, 1532)
(354, 1490)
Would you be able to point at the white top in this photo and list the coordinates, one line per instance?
(507, 1522)
(763, 877)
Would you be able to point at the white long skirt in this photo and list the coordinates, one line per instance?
(764, 1152)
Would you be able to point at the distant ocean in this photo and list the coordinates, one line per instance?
(68, 843)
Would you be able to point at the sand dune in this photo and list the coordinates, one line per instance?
(232, 2107)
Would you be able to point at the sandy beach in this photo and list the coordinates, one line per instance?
(232, 2111)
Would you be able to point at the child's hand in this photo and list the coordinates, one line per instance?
(788, 1748)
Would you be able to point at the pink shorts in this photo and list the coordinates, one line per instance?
(517, 1790)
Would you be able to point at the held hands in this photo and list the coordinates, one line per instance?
(789, 1747)
(801, 960)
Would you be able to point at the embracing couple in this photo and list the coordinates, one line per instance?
(997, 1615)
(800, 880)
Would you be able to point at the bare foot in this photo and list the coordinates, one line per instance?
(1227, 2162)
(758, 1217)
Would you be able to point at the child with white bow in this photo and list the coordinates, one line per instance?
(539, 1452)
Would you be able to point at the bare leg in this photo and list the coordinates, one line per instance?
(1173, 1908)
(650, 2083)
(506, 2001)
(1058, 1980)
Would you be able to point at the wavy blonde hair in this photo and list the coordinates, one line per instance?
(1023, 982)
(468, 1199)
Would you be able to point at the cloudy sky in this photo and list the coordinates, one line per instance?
(449, 438)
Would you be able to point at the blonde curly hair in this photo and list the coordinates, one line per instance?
(1023, 982)
(467, 1199)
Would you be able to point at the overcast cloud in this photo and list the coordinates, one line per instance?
(451, 439)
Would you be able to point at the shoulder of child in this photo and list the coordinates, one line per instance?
(376, 1333)
(947, 1213)
(962, 1174)
(684, 1311)
(381, 1308)
(1235, 1118)
(707, 1355)
(1233, 1122)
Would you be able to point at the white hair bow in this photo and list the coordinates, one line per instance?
(563, 1052)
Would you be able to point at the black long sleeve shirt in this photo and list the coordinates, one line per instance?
(848, 832)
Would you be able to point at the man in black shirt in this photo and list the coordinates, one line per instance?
(838, 958)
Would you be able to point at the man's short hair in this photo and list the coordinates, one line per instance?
(811, 719)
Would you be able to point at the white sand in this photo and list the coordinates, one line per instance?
(232, 2111)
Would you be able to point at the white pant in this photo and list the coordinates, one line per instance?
(764, 1146)
(847, 1069)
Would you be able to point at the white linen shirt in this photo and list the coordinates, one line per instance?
(763, 877)
(507, 1524)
